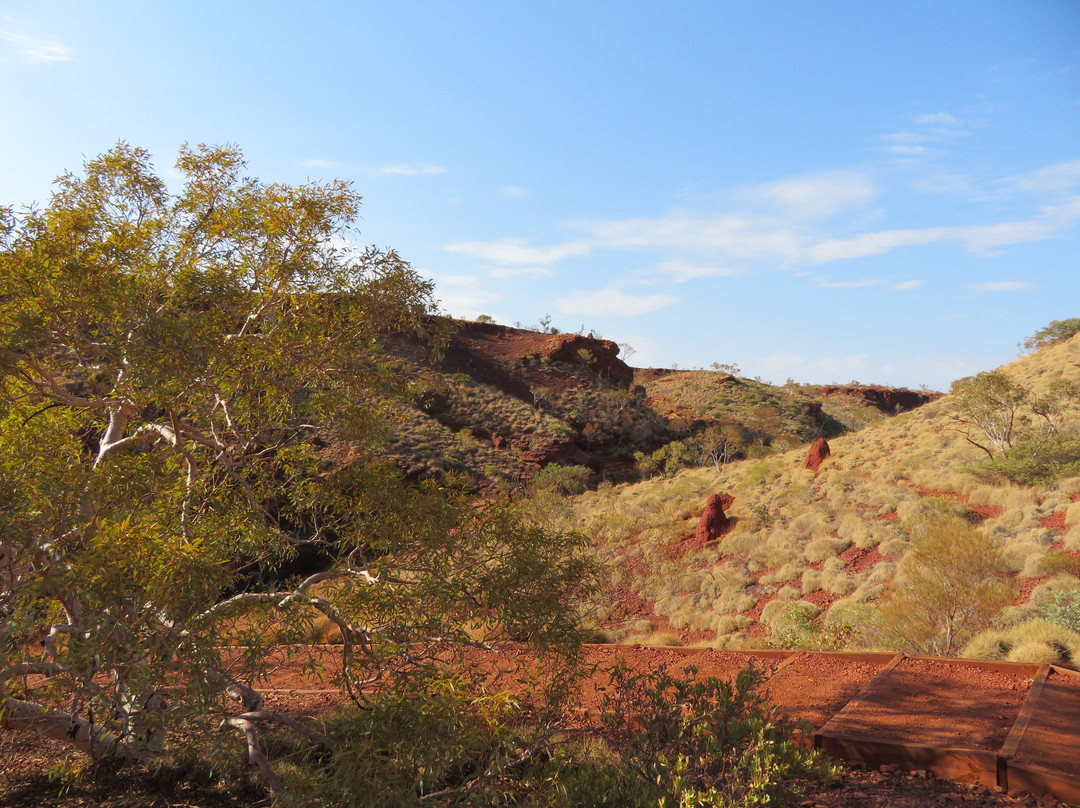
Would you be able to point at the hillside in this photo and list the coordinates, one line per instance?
(503, 402)
(810, 557)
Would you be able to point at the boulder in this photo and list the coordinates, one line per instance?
(714, 523)
(819, 450)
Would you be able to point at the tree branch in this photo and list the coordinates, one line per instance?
(80, 733)
(255, 753)
(291, 723)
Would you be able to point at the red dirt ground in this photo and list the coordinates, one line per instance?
(813, 688)
(921, 700)
(857, 560)
(1055, 522)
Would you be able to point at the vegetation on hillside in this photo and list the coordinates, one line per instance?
(832, 559)
(504, 402)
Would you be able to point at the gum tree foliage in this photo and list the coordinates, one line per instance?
(189, 392)
(722, 442)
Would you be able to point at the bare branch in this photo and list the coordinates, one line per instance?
(291, 723)
(255, 753)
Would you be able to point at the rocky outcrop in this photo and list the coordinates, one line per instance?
(600, 355)
(714, 522)
(819, 450)
(890, 400)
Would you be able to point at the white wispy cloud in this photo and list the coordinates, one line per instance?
(691, 244)
(907, 286)
(463, 295)
(815, 196)
(728, 235)
(515, 251)
(874, 243)
(933, 132)
(33, 49)
(514, 190)
(938, 118)
(612, 302)
(907, 151)
(1001, 286)
(907, 138)
(976, 238)
(834, 367)
(504, 273)
(682, 271)
(1058, 177)
(860, 284)
(782, 362)
(410, 170)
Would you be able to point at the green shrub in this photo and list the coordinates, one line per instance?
(1033, 640)
(794, 626)
(1062, 608)
(1038, 460)
(825, 548)
(408, 744)
(704, 742)
(565, 480)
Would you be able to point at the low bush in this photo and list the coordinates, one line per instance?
(703, 742)
(825, 548)
(565, 480)
(1038, 460)
(792, 624)
(949, 586)
(1055, 331)
(1062, 608)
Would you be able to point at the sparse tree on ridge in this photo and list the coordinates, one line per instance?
(1056, 330)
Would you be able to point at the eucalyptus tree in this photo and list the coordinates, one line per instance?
(992, 402)
(193, 386)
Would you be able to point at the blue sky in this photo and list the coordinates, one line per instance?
(820, 191)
